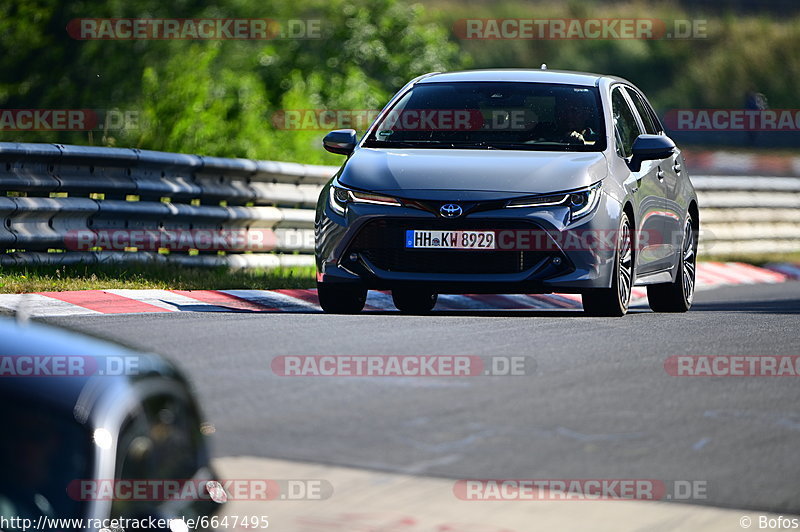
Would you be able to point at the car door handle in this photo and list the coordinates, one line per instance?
(660, 174)
(676, 168)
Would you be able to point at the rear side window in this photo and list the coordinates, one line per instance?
(159, 441)
(648, 119)
(627, 129)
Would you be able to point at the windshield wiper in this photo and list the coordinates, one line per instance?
(486, 145)
(566, 146)
(399, 143)
(442, 144)
(469, 144)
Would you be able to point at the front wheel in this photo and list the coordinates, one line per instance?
(614, 301)
(341, 299)
(414, 301)
(678, 295)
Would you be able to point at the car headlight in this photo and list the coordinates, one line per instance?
(538, 201)
(580, 202)
(583, 202)
(340, 197)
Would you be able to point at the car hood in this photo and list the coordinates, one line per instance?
(416, 172)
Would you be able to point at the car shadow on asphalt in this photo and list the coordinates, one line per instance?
(786, 306)
(501, 313)
(490, 313)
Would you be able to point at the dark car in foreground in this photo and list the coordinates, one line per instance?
(92, 432)
(509, 181)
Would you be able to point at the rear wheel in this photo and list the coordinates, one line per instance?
(614, 301)
(414, 301)
(341, 299)
(678, 295)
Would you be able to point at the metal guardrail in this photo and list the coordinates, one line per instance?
(746, 215)
(50, 193)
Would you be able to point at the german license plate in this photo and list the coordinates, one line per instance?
(450, 239)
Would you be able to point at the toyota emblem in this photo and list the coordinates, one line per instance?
(451, 210)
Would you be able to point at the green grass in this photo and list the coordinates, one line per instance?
(25, 279)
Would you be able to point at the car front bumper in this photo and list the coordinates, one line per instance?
(365, 246)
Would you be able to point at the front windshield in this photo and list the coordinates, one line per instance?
(491, 115)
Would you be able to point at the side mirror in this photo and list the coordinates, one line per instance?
(650, 148)
(341, 141)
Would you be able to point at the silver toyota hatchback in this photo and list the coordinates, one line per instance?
(509, 181)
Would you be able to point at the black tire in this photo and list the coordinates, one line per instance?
(677, 296)
(614, 301)
(414, 301)
(341, 299)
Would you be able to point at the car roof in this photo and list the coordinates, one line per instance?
(520, 75)
(64, 392)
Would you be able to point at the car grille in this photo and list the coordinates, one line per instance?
(381, 242)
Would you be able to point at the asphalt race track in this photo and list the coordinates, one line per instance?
(600, 404)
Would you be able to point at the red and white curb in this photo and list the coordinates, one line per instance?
(86, 302)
